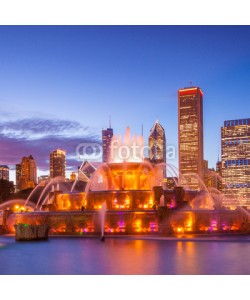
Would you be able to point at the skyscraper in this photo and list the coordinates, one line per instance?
(190, 134)
(18, 174)
(157, 144)
(219, 175)
(4, 172)
(107, 135)
(28, 178)
(235, 147)
(57, 163)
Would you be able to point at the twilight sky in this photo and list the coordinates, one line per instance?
(60, 84)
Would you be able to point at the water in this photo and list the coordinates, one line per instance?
(16, 204)
(126, 255)
(103, 213)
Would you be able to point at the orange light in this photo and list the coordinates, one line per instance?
(190, 91)
(185, 90)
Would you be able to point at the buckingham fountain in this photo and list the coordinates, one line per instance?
(125, 196)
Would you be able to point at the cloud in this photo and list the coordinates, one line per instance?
(38, 137)
(38, 128)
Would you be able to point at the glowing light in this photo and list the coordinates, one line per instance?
(127, 201)
(17, 206)
(179, 229)
(138, 223)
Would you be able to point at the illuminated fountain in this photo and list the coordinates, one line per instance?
(17, 205)
(127, 196)
(127, 181)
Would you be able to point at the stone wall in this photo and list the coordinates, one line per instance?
(25, 232)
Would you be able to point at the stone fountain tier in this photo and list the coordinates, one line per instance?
(25, 232)
(128, 222)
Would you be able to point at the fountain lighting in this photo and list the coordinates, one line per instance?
(128, 186)
(127, 149)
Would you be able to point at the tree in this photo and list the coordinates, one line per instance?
(6, 189)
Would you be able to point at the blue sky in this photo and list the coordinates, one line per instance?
(59, 85)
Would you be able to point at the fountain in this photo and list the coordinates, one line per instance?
(17, 205)
(80, 171)
(54, 180)
(127, 196)
(103, 212)
(42, 183)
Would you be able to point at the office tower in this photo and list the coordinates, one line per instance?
(4, 172)
(210, 177)
(43, 178)
(72, 176)
(235, 146)
(28, 178)
(58, 163)
(107, 135)
(219, 175)
(157, 144)
(18, 174)
(190, 136)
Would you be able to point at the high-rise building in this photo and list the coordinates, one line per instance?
(190, 135)
(235, 146)
(43, 178)
(157, 144)
(18, 174)
(219, 175)
(210, 176)
(28, 178)
(57, 163)
(107, 135)
(72, 176)
(4, 172)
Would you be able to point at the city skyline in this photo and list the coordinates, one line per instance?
(61, 82)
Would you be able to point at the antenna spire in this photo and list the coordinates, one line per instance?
(142, 129)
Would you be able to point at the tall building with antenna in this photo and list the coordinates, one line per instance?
(190, 135)
(107, 135)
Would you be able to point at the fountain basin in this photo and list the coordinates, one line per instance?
(133, 222)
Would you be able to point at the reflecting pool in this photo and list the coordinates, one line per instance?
(126, 255)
